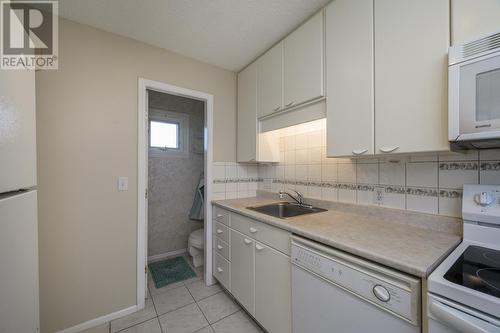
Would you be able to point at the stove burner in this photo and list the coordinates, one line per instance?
(489, 276)
(477, 268)
(492, 256)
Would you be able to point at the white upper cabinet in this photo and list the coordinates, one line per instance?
(411, 53)
(303, 63)
(349, 65)
(472, 19)
(247, 115)
(270, 81)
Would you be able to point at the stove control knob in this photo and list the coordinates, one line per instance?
(381, 293)
(484, 199)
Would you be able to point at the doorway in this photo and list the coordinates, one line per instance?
(176, 143)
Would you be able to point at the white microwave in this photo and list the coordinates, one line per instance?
(474, 94)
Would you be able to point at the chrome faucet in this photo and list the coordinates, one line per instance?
(299, 199)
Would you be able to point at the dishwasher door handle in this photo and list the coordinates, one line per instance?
(459, 320)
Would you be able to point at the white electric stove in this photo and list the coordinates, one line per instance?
(464, 291)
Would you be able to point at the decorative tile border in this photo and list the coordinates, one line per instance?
(458, 166)
(451, 194)
(238, 180)
(490, 166)
(417, 191)
(426, 192)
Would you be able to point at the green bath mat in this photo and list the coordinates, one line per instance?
(169, 271)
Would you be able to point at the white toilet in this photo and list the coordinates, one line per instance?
(196, 243)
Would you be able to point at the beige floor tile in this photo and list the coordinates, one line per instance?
(239, 322)
(150, 326)
(135, 318)
(207, 329)
(217, 307)
(200, 290)
(98, 329)
(172, 299)
(184, 320)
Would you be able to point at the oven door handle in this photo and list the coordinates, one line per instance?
(460, 321)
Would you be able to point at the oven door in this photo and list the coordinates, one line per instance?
(475, 97)
(449, 317)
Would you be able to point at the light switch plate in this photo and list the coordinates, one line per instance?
(122, 183)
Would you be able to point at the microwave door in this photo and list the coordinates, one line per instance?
(480, 97)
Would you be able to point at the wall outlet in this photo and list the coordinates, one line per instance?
(122, 183)
(378, 195)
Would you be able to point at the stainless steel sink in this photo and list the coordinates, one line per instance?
(286, 209)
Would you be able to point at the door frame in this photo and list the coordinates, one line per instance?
(142, 178)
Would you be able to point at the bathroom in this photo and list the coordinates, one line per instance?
(175, 188)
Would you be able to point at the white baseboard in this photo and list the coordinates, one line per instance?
(100, 320)
(166, 255)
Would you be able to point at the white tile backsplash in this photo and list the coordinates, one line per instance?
(430, 183)
(422, 174)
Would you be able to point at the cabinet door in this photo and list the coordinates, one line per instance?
(270, 81)
(472, 19)
(349, 65)
(303, 63)
(411, 75)
(247, 114)
(273, 289)
(242, 270)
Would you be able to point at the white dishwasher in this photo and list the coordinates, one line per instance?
(334, 292)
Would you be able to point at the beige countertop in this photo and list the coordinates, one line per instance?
(410, 242)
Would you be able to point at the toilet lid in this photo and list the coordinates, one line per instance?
(196, 237)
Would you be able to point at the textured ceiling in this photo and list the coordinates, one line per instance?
(225, 33)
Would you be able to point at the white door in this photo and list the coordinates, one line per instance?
(270, 81)
(17, 130)
(273, 290)
(247, 114)
(242, 270)
(411, 52)
(303, 63)
(19, 295)
(349, 73)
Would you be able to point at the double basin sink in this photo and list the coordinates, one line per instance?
(284, 210)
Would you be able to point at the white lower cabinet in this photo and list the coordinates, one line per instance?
(273, 290)
(242, 272)
(258, 271)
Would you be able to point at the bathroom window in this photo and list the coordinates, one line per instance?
(168, 133)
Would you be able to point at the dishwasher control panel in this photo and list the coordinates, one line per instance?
(386, 292)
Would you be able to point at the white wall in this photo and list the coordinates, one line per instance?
(87, 137)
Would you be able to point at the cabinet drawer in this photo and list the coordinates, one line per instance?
(221, 271)
(221, 247)
(221, 231)
(221, 215)
(269, 235)
(272, 236)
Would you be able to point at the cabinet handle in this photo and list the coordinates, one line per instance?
(259, 248)
(220, 247)
(253, 230)
(220, 270)
(290, 104)
(219, 231)
(220, 215)
(247, 241)
(359, 151)
(388, 150)
(277, 108)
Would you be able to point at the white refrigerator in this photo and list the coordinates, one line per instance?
(19, 291)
